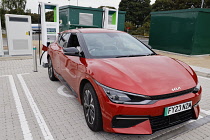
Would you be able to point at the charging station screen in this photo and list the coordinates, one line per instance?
(17, 19)
(51, 30)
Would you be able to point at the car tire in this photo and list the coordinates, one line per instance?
(91, 107)
(51, 73)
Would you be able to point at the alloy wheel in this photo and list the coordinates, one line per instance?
(89, 107)
(50, 68)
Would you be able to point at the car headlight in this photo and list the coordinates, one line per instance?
(122, 97)
(197, 88)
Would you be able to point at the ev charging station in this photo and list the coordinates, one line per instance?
(49, 30)
(110, 18)
(19, 34)
(1, 41)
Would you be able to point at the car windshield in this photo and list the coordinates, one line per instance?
(102, 45)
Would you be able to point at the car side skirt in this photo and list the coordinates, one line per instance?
(63, 81)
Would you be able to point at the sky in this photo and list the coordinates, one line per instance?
(33, 4)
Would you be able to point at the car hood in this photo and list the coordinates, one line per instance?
(147, 75)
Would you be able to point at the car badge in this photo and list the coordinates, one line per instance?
(176, 88)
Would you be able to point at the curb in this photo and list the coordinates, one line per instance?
(202, 74)
(201, 71)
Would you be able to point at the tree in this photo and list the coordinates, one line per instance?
(2, 13)
(186, 4)
(34, 18)
(14, 6)
(129, 26)
(207, 4)
(28, 11)
(11, 7)
(110, 7)
(136, 10)
(163, 5)
(49, 16)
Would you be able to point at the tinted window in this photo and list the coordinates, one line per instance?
(114, 45)
(73, 41)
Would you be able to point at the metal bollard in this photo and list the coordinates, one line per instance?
(34, 59)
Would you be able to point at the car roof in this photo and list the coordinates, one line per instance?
(92, 30)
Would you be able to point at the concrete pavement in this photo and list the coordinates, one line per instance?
(33, 107)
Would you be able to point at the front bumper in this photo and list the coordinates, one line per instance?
(145, 119)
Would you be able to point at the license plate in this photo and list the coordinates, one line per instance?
(177, 108)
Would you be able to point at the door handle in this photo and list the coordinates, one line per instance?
(29, 33)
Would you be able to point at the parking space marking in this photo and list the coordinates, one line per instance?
(199, 117)
(42, 124)
(205, 112)
(22, 118)
(61, 92)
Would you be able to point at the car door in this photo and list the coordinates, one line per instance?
(59, 51)
(54, 52)
(71, 66)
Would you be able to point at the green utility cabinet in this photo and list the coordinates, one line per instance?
(181, 31)
(72, 17)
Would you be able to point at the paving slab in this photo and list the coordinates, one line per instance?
(63, 115)
(199, 61)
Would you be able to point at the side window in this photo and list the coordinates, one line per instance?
(59, 37)
(64, 39)
(73, 41)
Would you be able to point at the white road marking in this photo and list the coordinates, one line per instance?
(61, 92)
(22, 118)
(199, 117)
(204, 77)
(205, 112)
(42, 124)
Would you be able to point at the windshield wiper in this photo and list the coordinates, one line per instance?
(136, 55)
(130, 56)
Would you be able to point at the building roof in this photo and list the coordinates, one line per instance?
(85, 8)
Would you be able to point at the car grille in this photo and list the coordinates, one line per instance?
(161, 122)
(171, 95)
(127, 121)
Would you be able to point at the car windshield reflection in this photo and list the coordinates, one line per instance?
(114, 45)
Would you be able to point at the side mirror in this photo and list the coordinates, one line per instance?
(72, 51)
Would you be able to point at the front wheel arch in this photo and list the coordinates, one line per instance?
(82, 84)
(97, 124)
(51, 73)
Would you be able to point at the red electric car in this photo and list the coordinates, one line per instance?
(123, 85)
